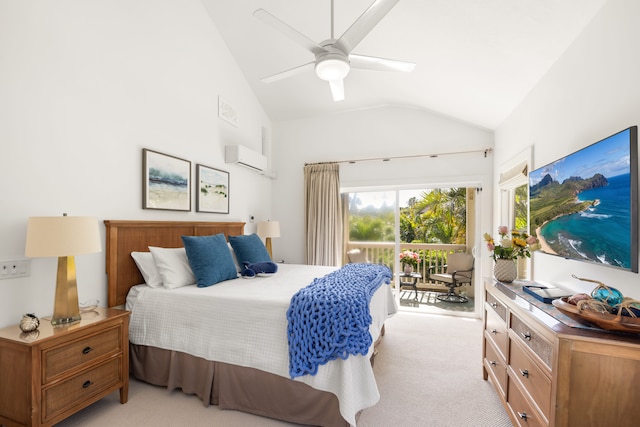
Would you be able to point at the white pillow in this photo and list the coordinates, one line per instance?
(173, 266)
(235, 260)
(147, 266)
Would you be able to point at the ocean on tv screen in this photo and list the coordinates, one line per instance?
(599, 233)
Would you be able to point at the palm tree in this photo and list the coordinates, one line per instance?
(442, 216)
(437, 216)
(365, 229)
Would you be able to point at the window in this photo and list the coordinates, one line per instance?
(514, 193)
(514, 200)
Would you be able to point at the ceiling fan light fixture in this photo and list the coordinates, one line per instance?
(332, 68)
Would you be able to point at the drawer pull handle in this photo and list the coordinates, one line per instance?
(526, 336)
(524, 373)
(87, 350)
(523, 415)
(87, 384)
(494, 331)
(494, 305)
(493, 363)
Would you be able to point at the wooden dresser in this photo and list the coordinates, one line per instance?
(550, 374)
(51, 373)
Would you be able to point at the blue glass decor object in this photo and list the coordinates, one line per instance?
(604, 293)
(608, 295)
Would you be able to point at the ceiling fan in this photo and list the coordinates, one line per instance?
(334, 59)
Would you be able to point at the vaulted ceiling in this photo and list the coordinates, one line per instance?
(475, 59)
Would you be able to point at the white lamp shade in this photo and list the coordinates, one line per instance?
(59, 236)
(269, 229)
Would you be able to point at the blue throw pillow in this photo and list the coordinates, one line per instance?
(249, 249)
(210, 259)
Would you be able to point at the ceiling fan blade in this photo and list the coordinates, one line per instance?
(289, 31)
(288, 73)
(337, 89)
(379, 64)
(364, 24)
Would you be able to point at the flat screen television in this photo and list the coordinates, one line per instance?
(584, 206)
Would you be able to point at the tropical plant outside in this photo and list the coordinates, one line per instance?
(435, 216)
(521, 208)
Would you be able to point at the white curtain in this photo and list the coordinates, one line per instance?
(323, 214)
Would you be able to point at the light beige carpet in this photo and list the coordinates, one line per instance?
(428, 370)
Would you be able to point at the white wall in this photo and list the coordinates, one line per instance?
(84, 86)
(592, 92)
(377, 132)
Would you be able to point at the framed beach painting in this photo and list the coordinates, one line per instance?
(212, 193)
(166, 182)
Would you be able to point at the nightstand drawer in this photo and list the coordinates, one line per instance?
(57, 360)
(81, 387)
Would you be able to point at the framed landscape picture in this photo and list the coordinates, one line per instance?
(166, 182)
(212, 193)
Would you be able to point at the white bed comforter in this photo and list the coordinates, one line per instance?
(243, 322)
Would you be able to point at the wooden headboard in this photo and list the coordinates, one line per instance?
(124, 237)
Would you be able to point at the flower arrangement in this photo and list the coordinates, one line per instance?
(512, 244)
(410, 258)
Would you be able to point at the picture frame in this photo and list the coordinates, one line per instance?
(166, 181)
(212, 190)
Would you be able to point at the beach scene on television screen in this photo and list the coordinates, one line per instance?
(580, 205)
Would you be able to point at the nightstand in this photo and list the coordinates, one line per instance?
(53, 372)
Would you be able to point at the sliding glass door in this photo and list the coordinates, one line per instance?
(371, 220)
(430, 223)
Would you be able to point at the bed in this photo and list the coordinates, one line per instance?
(248, 374)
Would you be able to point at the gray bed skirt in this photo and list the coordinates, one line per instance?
(235, 387)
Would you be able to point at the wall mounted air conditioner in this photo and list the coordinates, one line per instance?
(243, 156)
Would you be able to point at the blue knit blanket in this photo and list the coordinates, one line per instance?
(330, 318)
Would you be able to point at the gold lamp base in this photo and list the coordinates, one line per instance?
(267, 243)
(66, 309)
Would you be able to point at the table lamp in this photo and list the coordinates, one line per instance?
(268, 229)
(63, 237)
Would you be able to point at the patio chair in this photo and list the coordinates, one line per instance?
(459, 272)
(357, 256)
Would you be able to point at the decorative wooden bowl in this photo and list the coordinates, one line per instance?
(609, 322)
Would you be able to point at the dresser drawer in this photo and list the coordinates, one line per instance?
(524, 413)
(496, 330)
(70, 356)
(529, 374)
(533, 340)
(496, 364)
(81, 387)
(498, 307)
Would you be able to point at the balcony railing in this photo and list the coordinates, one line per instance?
(431, 255)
